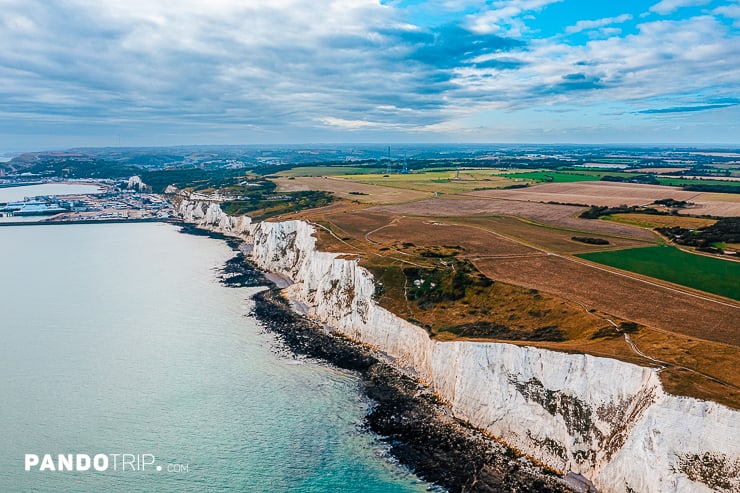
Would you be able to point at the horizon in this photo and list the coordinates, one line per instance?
(342, 145)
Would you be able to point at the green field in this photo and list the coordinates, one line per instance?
(708, 274)
(330, 170)
(677, 182)
(438, 181)
(553, 176)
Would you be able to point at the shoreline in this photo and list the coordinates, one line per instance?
(408, 416)
(97, 221)
(420, 430)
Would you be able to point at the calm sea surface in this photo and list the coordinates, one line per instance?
(117, 339)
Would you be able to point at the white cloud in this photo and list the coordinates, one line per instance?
(668, 6)
(665, 59)
(729, 11)
(585, 24)
(359, 65)
(346, 124)
(504, 16)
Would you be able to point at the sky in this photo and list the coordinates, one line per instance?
(167, 72)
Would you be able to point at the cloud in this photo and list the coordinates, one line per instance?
(729, 11)
(452, 46)
(584, 25)
(668, 6)
(665, 58)
(276, 64)
(290, 67)
(349, 124)
(688, 109)
(504, 16)
(220, 61)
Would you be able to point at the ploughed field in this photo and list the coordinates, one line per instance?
(551, 215)
(468, 267)
(616, 194)
(350, 189)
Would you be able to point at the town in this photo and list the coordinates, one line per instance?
(114, 201)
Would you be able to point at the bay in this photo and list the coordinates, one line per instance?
(117, 338)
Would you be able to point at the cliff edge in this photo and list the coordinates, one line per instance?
(605, 419)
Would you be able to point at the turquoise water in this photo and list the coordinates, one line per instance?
(117, 339)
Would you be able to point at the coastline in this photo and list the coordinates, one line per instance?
(562, 410)
(97, 221)
(419, 428)
(422, 434)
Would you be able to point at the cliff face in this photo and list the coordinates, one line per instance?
(605, 419)
(210, 216)
(339, 293)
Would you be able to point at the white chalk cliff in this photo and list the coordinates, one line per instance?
(607, 420)
(210, 216)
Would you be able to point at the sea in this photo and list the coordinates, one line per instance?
(117, 340)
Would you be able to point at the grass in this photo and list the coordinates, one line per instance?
(352, 190)
(552, 176)
(263, 206)
(398, 256)
(656, 221)
(671, 264)
(437, 181)
(330, 170)
(678, 182)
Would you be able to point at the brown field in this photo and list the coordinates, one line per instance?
(575, 296)
(482, 236)
(447, 182)
(558, 240)
(490, 243)
(616, 194)
(341, 187)
(524, 247)
(715, 204)
(591, 193)
(554, 215)
(716, 209)
(625, 296)
(428, 233)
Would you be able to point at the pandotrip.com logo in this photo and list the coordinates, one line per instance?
(99, 463)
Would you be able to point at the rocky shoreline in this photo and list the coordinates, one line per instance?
(419, 429)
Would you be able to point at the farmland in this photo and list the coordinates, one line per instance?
(655, 221)
(591, 193)
(674, 181)
(615, 194)
(487, 243)
(335, 170)
(712, 275)
(550, 176)
(448, 182)
(534, 288)
(351, 190)
(552, 215)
